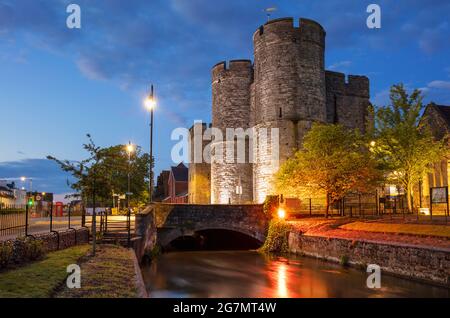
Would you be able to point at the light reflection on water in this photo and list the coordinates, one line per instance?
(251, 274)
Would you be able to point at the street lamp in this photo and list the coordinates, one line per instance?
(23, 179)
(130, 150)
(150, 104)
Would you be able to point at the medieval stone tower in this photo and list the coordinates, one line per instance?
(286, 88)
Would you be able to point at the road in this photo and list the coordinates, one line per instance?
(42, 225)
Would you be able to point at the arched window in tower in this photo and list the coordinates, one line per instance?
(280, 114)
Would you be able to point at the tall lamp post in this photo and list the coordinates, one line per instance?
(150, 103)
(23, 179)
(130, 150)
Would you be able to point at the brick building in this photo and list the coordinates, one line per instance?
(177, 185)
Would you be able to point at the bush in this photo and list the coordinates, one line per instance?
(271, 204)
(277, 237)
(34, 250)
(6, 254)
(19, 251)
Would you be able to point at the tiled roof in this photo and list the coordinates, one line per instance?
(180, 172)
(444, 111)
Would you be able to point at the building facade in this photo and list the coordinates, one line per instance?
(178, 185)
(437, 119)
(10, 195)
(286, 88)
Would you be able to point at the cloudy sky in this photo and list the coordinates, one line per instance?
(57, 84)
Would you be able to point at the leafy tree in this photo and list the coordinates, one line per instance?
(334, 160)
(404, 145)
(105, 172)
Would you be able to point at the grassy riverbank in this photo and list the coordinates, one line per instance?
(110, 274)
(413, 229)
(40, 279)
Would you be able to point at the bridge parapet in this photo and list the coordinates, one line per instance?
(172, 220)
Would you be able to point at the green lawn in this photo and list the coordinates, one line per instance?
(110, 274)
(415, 229)
(40, 279)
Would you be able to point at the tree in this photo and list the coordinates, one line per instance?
(334, 160)
(109, 168)
(404, 146)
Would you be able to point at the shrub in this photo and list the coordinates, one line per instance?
(34, 249)
(6, 254)
(271, 204)
(19, 251)
(277, 237)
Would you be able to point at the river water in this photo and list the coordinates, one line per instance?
(251, 274)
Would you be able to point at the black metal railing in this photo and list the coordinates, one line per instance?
(25, 220)
(13, 220)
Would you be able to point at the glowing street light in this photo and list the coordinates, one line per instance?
(372, 143)
(130, 148)
(150, 104)
(281, 213)
(23, 179)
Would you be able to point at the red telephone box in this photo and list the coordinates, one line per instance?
(59, 209)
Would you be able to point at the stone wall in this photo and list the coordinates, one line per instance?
(231, 109)
(347, 102)
(145, 230)
(420, 263)
(199, 185)
(64, 239)
(287, 88)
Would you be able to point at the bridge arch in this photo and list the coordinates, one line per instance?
(178, 220)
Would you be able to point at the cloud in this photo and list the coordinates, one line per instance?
(439, 84)
(342, 65)
(437, 91)
(46, 175)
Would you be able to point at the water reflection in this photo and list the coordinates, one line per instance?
(250, 274)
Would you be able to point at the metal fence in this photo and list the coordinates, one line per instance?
(24, 220)
(353, 205)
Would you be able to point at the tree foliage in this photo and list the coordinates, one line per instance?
(105, 171)
(404, 145)
(334, 160)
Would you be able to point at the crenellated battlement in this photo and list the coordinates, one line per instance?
(235, 68)
(287, 88)
(357, 85)
(352, 85)
(308, 30)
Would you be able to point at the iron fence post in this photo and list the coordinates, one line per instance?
(310, 207)
(129, 226)
(26, 220)
(431, 204)
(51, 217)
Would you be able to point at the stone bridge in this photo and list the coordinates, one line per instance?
(172, 221)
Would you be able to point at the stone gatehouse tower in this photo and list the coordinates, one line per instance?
(287, 87)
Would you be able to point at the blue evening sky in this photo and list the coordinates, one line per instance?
(57, 84)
